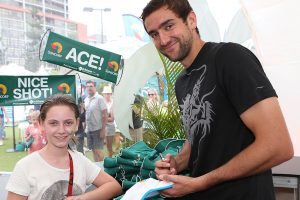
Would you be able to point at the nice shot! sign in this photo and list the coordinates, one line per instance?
(81, 57)
(33, 90)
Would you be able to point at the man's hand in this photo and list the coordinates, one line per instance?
(183, 185)
(167, 165)
(102, 133)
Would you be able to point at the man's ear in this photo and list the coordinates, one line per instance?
(192, 20)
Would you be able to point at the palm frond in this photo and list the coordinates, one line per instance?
(163, 122)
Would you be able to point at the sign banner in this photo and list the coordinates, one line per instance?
(33, 90)
(81, 57)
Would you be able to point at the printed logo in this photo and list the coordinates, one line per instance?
(113, 65)
(57, 46)
(3, 89)
(64, 87)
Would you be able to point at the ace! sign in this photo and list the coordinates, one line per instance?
(81, 57)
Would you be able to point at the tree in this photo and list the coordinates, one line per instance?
(33, 33)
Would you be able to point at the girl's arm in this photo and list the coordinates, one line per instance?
(14, 196)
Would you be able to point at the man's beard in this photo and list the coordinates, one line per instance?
(184, 49)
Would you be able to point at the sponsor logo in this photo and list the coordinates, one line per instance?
(3, 91)
(113, 65)
(57, 46)
(64, 87)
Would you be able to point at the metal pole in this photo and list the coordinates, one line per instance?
(13, 125)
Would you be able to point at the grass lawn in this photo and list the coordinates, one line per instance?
(9, 159)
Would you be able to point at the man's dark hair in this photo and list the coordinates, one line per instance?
(93, 82)
(181, 8)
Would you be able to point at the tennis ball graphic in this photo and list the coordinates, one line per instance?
(3, 89)
(64, 87)
(114, 65)
(57, 46)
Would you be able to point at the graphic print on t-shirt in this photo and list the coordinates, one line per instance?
(58, 190)
(197, 111)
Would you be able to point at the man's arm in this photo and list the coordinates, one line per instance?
(104, 122)
(271, 147)
(182, 159)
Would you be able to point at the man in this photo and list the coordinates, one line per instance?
(96, 119)
(236, 131)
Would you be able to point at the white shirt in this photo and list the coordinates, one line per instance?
(35, 178)
(94, 107)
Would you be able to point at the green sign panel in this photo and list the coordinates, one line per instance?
(33, 90)
(82, 57)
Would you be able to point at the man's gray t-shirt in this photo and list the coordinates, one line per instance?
(94, 106)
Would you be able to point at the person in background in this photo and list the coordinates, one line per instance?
(56, 172)
(80, 134)
(153, 98)
(96, 119)
(111, 124)
(136, 132)
(28, 114)
(3, 114)
(34, 131)
(235, 128)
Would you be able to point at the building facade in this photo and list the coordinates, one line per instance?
(23, 20)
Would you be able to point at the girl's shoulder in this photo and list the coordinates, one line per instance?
(29, 159)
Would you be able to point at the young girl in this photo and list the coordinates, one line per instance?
(33, 130)
(55, 172)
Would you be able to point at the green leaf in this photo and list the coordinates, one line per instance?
(164, 121)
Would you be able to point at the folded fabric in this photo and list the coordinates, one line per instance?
(137, 162)
(177, 144)
(130, 162)
(110, 162)
(137, 151)
(122, 175)
(112, 171)
(149, 163)
(127, 184)
(128, 168)
(147, 174)
(161, 145)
